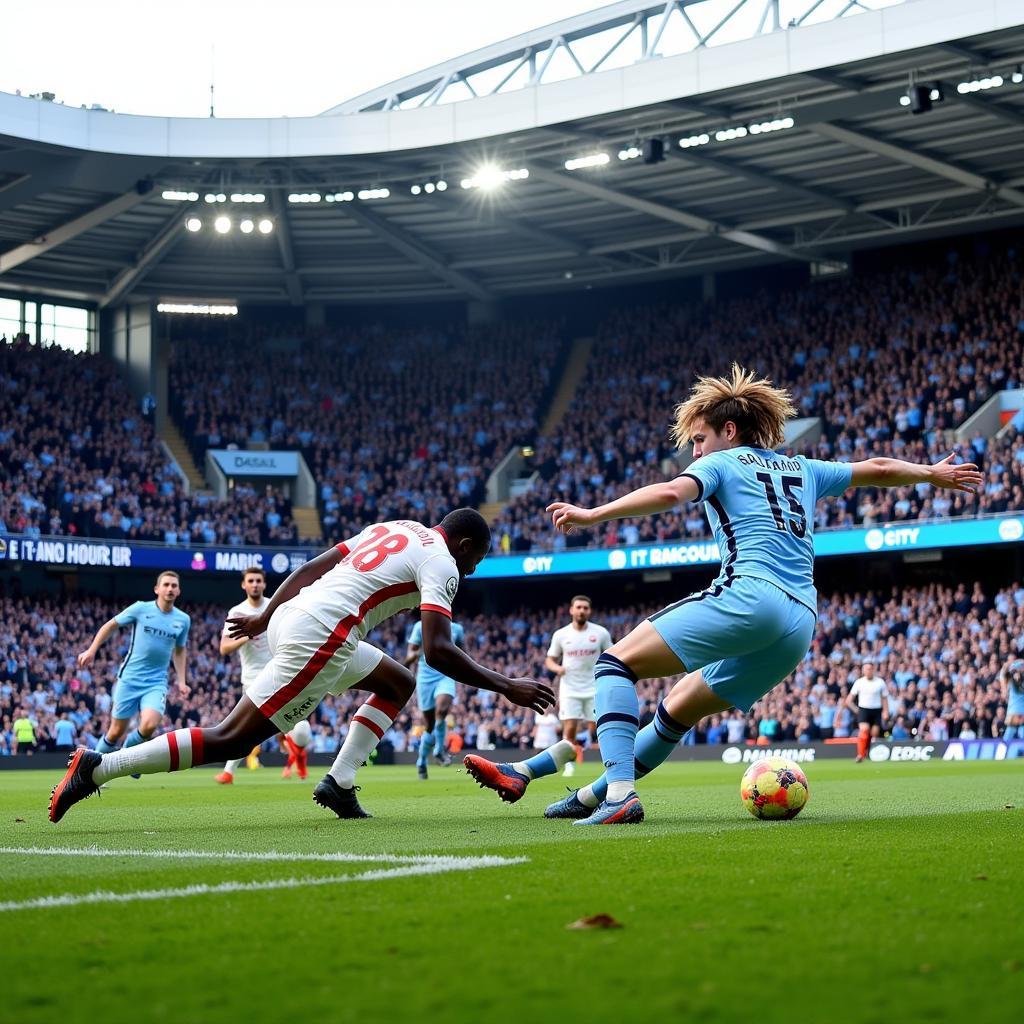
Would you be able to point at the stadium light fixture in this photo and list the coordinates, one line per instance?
(201, 308)
(246, 227)
(578, 163)
(489, 177)
(177, 196)
(366, 194)
(1018, 74)
(222, 225)
(777, 124)
(694, 140)
(629, 153)
(193, 224)
(980, 84)
(442, 186)
(728, 134)
(266, 225)
(248, 197)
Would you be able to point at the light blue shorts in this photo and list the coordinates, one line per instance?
(429, 687)
(1015, 706)
(130, 698)
(745, 637)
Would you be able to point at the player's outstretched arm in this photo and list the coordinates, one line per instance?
(105, 631)
(442, 654)
(644, 501)
(897, 473)
(308, 572)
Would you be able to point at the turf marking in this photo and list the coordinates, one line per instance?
(406, 867)
(250, 855)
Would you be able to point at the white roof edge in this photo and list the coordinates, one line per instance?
(777, 55)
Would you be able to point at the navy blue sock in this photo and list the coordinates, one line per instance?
(618, 711)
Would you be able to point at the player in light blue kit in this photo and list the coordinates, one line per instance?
(1013, 681)
(434, 694)
(753, 625)
(159, 636)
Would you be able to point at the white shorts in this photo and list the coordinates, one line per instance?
(580, 708)
(307, 664)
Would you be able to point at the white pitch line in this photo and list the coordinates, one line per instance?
(439, 865)
(244, 855)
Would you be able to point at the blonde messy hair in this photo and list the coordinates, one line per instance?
(756, 406)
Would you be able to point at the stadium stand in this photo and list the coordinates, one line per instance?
(892, 363)
(940, 649)
(393, 424)
(78, 458)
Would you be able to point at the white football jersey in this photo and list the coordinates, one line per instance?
(255, 654)
(579, 650)
(869, 692)
(387, 568)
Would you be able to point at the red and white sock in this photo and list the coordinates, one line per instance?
(171, 752)
(368, 726)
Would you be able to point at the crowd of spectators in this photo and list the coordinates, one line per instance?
(79, 458)
(891, 363)
(392, 424)
(939, 648)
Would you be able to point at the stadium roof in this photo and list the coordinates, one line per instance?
(83, 213)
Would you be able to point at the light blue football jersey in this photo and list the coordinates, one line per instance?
(424, 673)
(155, 634)
(761, 509)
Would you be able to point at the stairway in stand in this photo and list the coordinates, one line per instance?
(177, 446)
(308, 522)
(575, 368)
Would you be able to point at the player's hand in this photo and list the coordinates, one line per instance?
(85, 659)
(246, 626)
(965, 477)
(183, 688)
(565, 517)
(528, 693)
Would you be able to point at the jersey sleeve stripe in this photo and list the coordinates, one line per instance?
(436, 608)
(343, 548)
(698, 482)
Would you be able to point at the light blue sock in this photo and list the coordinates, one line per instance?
(134, 737)
(426, 741)
(105, 746)
(654, 743)
(1011, 732)
(547, 762)
(440, 732)
(618, 718)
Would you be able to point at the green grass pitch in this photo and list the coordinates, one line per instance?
(897, 895)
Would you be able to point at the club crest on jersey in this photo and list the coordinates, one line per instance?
(451, 587)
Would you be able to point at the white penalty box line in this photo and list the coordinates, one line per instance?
(400, 867)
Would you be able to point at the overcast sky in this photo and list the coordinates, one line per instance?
(269, 58)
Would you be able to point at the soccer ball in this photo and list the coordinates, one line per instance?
(302, 734)
(774, 788)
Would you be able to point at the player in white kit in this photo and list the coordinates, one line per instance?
(572, 655)
(869, 693)
(315, 625)
(253, 652)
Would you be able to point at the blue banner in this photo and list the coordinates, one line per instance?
(910, 537)
(107, 554)
(76, 553)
